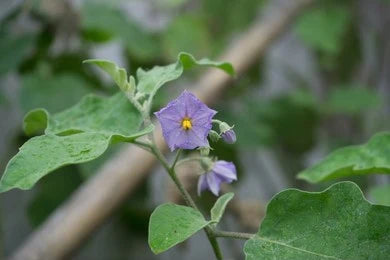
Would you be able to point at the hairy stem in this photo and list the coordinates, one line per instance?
(189, 159)
(178, 153)
(236, 235)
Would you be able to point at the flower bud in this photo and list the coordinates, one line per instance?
(223, 127)
(214, 136)
(229, 136)
(204, 151)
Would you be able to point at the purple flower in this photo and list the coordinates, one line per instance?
(229, 136)
(221, 171)
(186, 122)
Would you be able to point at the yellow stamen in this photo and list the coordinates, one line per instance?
(186, 123)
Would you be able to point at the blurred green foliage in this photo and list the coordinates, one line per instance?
(13, 50)
(324, 28)
(64, 90)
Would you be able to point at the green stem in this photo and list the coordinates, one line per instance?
(187, 197)
(143, 145)
(189, 159)
(176, 159)
(236, 235)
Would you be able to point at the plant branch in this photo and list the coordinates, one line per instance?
(186, 196)
(236, 235)
(189, 159)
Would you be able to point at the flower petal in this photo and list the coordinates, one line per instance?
(171, 117)
(202, 184)
(226, 171)
(176, 138)
(213, 182)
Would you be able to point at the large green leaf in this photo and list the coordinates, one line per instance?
(171, 224)
(76, 135)
(219, 207)
(43, 154)
(150, 81)
(372, 157)
(110, 116)
(337, 223)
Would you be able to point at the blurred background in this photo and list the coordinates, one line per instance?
(324, 84)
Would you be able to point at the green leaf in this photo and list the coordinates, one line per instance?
(35, 121)
(338, 223)
(372, 157)
(119, 75)
(43, 154)
(381, 195)
(110, 116)
(171, 224)
(76, 135)
(150, 81)
(219, 206)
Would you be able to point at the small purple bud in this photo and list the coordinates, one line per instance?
(222, 171)
(229, 136)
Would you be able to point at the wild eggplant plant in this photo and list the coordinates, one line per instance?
(338, 223)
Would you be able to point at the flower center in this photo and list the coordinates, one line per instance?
(186, 123)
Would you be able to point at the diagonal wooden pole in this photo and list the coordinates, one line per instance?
(96, 200)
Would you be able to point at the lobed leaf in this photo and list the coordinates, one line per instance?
(219, 207)
(110, 116)
(337, 223)
(150, 81)
(76, 135)
(171, 224)
(372, 157)
(43, 154)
